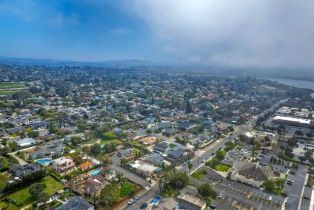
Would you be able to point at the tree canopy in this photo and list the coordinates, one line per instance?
(110, 194)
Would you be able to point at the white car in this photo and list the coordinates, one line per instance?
(131, 201)
(220, 195)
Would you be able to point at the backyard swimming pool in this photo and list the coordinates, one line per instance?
(94, 172)
(44, 161)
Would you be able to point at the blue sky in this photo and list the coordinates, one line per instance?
(78, 30)
(263, 33)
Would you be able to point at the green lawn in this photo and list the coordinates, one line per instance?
(8, 85)
(222, 167)
(4, 205)
(23, 197)
(7, 92)
(199, 175)
(113, 141)
(3, 181)
(127, 188)
(52, 185)
(7, 206)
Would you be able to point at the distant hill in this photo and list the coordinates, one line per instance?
(51, 62)
(299, 74)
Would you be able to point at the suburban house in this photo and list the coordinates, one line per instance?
(86, 165)
(15, 130)
(124, 153)
(161, 147)
(76, 203)
(35, 124)
(63, 164)
(23, 170)
(93, 185)
(26, 142)
(144, 169)
(155, 158)
(48, 149)
(175, 154)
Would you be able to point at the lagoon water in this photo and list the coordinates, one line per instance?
(295, 83)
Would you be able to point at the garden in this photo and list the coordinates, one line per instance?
(23, 197)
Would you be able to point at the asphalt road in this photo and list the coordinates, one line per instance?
(145, 198)
(295, 191)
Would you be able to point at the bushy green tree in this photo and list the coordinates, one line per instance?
(178, 180)
(37, 189)
(110, 194)
(206, 191)
(220, 154)
(95, 149)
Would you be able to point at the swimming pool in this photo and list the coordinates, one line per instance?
(44, 161)
(94, 172)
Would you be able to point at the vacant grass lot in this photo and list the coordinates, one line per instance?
(8, 85)
(7, 88)
(222, 167)
(199, 174)
(7, 92)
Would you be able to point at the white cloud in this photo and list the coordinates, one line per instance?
(271, 33)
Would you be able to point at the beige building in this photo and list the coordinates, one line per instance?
(190, 202)
(251, 173)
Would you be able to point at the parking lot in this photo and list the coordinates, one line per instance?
(305, 204)
(246, 196)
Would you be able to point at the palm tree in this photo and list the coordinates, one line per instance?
(190, 166)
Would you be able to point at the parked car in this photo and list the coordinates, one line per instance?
(212, 206)
(221, 195)
(144, 206)
(130, 202)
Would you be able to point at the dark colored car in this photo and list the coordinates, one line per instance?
(143, 206)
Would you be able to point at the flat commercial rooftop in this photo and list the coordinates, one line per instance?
(292, 119)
